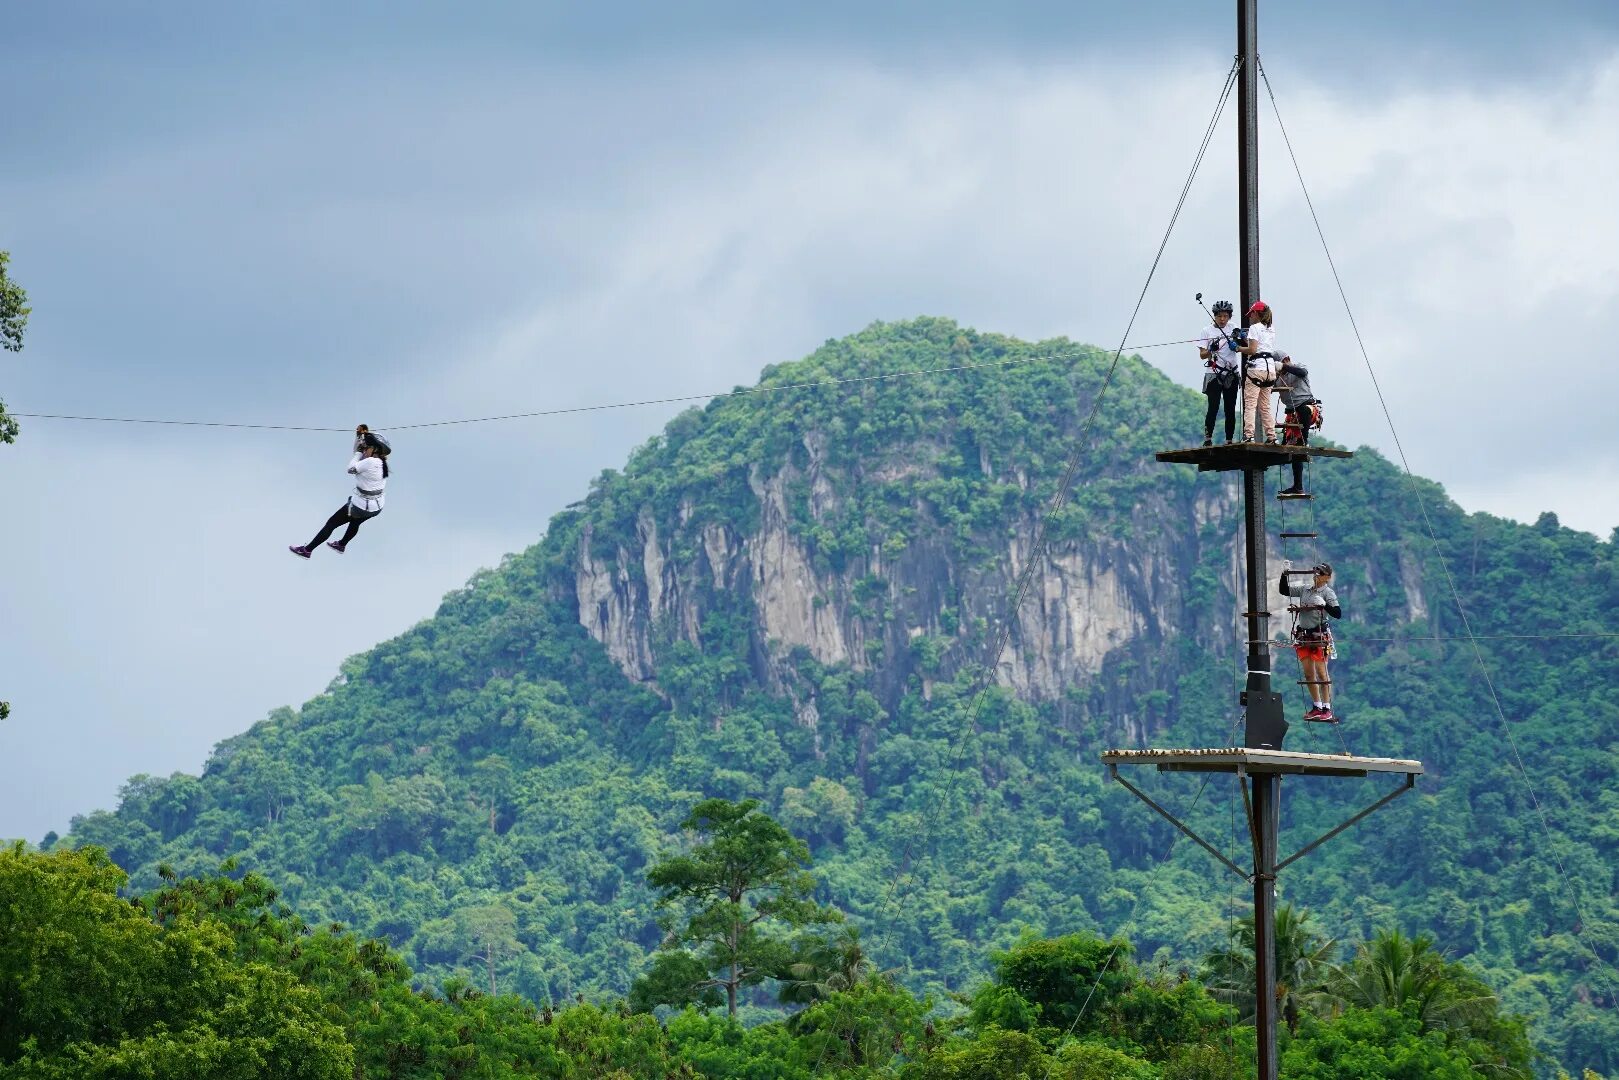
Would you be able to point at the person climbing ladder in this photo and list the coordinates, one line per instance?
(1312, 636)
(1302, 411)
(370, 469)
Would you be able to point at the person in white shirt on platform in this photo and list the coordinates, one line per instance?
(1260, 368)
(1215, 349)
(369, 467)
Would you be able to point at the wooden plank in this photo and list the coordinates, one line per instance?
(1232, 758)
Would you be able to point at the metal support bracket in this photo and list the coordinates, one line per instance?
(1410, 782)
(1173, 820)
(1248, 811)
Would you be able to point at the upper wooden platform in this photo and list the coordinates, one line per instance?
(1234, 759)
(1225, 457)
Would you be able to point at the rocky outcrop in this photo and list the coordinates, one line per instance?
(1090, 604)
(792, 601)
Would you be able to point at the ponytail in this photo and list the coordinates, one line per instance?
(385, 468)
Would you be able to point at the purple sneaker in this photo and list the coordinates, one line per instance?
(299, 550)
(335, 546)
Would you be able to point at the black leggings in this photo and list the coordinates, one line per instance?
(1215, 393)
(1297, 432)
(346, 512)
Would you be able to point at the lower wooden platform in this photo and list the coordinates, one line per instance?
(1225, 457)
(1233, 759)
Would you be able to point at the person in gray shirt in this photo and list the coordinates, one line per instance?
(1303, 411)
(1312, 635)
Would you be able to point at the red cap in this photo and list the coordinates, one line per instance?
(1257, 305)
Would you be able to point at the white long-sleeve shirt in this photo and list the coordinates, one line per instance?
(368, 483)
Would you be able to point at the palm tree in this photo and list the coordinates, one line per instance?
(827, 966)
(1303, 967)
(1412, 975)
(1395, 971)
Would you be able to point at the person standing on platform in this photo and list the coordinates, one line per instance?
(1301, 412)
(1220, 381)
(1259, 369)
(1312, 636)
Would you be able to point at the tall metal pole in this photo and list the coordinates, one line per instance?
(1267, 793)
(1248, 150)
(1265, 724)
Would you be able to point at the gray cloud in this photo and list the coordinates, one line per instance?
(511, 242)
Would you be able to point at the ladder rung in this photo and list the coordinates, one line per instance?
(1299, 536)
(1303, 495)
(1315, 682)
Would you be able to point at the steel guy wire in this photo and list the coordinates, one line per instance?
(1433, 539)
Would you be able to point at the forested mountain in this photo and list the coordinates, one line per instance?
(791, 597)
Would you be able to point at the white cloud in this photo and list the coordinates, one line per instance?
(673, 230)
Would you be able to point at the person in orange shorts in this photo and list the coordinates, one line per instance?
(1312, 636)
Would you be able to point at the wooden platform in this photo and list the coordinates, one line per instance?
(1234, 759)
(1226, 457)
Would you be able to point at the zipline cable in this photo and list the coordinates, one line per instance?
(1433, 539)
(736, 392)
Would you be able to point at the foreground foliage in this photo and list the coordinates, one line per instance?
(217, 977)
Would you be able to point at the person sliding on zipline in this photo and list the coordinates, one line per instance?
(1312, 636)
(1302, 411)
(1220, 381)
(370, 468)
(1258, 347)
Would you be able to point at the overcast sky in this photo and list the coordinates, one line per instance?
(401, 213)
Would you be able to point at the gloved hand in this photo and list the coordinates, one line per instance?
(1238, 335)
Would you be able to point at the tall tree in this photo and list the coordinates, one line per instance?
(490, 932)
(725, 905)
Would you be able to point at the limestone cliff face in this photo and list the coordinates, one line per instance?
(1093, 624)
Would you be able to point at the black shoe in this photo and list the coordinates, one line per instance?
(1208, 440)
(1291, 491)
